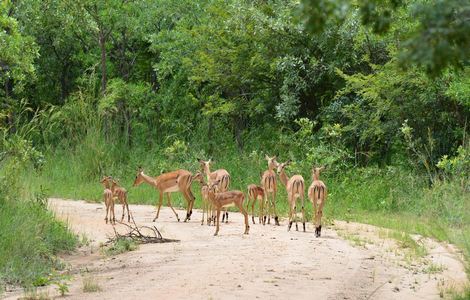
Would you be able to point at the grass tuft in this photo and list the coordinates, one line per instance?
(90, 285)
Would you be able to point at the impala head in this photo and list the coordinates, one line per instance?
(316, 172)
(205, 165)
(105, 181)
(214, 186)
(139, 177)
(281, 167)
(199, 177)
(272, 162)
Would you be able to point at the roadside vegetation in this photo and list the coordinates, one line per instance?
(377, 91)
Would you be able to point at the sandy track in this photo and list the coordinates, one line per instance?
(268, 263)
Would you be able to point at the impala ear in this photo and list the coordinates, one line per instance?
(266, 157)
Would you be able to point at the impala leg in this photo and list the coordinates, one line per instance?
(217, 221)
(203, 209)
(107, 210)
(290, 217)
(245, 214)
(168, 197)
(303, 214)
(128, 213)
(269, 209)
(318, 221)
(253, 211)
(190, 200)
(295, 215)
(276, 218)
(160, 202)
(112, 213)
(123, 208)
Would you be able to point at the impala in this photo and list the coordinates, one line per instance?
(317, 193)
(255, 194)
(268, 182)
(119, 193)
(167, 183)
(222, 175)
(108, 201)
(206, 207)
(220, 200)
(295, 187)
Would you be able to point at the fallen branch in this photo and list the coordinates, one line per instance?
(152, 234)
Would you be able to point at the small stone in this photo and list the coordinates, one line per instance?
(396, 289)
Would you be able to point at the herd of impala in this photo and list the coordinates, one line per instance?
(216, 197)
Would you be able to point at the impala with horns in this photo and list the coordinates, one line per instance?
(167, 183)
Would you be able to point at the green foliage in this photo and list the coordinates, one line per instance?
(121, 245)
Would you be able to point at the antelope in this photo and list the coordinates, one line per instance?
(206, 207)
(268, 182)
(167, 183)
(295, 189)
(108, 201)
(317, 193)
(220, 200)
(121, 194)
(220, 174)
(255, 193)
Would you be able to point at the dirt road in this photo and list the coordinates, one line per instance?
(268, 263)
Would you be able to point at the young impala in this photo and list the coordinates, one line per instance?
(295, 187)
(268, 182)
(220, 200)
(206, 207)
(317, 193)
(255, 194)
(220, 174)
(119, 193)
(166, 183)
(108, 201)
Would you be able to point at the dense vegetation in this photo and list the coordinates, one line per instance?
(378, 90)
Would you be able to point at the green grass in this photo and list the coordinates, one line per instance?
(390, 197)
(121, 245)
(89, 285)
(30, 239)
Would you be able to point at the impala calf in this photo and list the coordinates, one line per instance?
(317, 193)
(108, 202)
(121, 194)
(206, 207)
(256, 194)
(295, 187)
(268, 182)
(222, 175)
(167, 183)
(220, 200)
